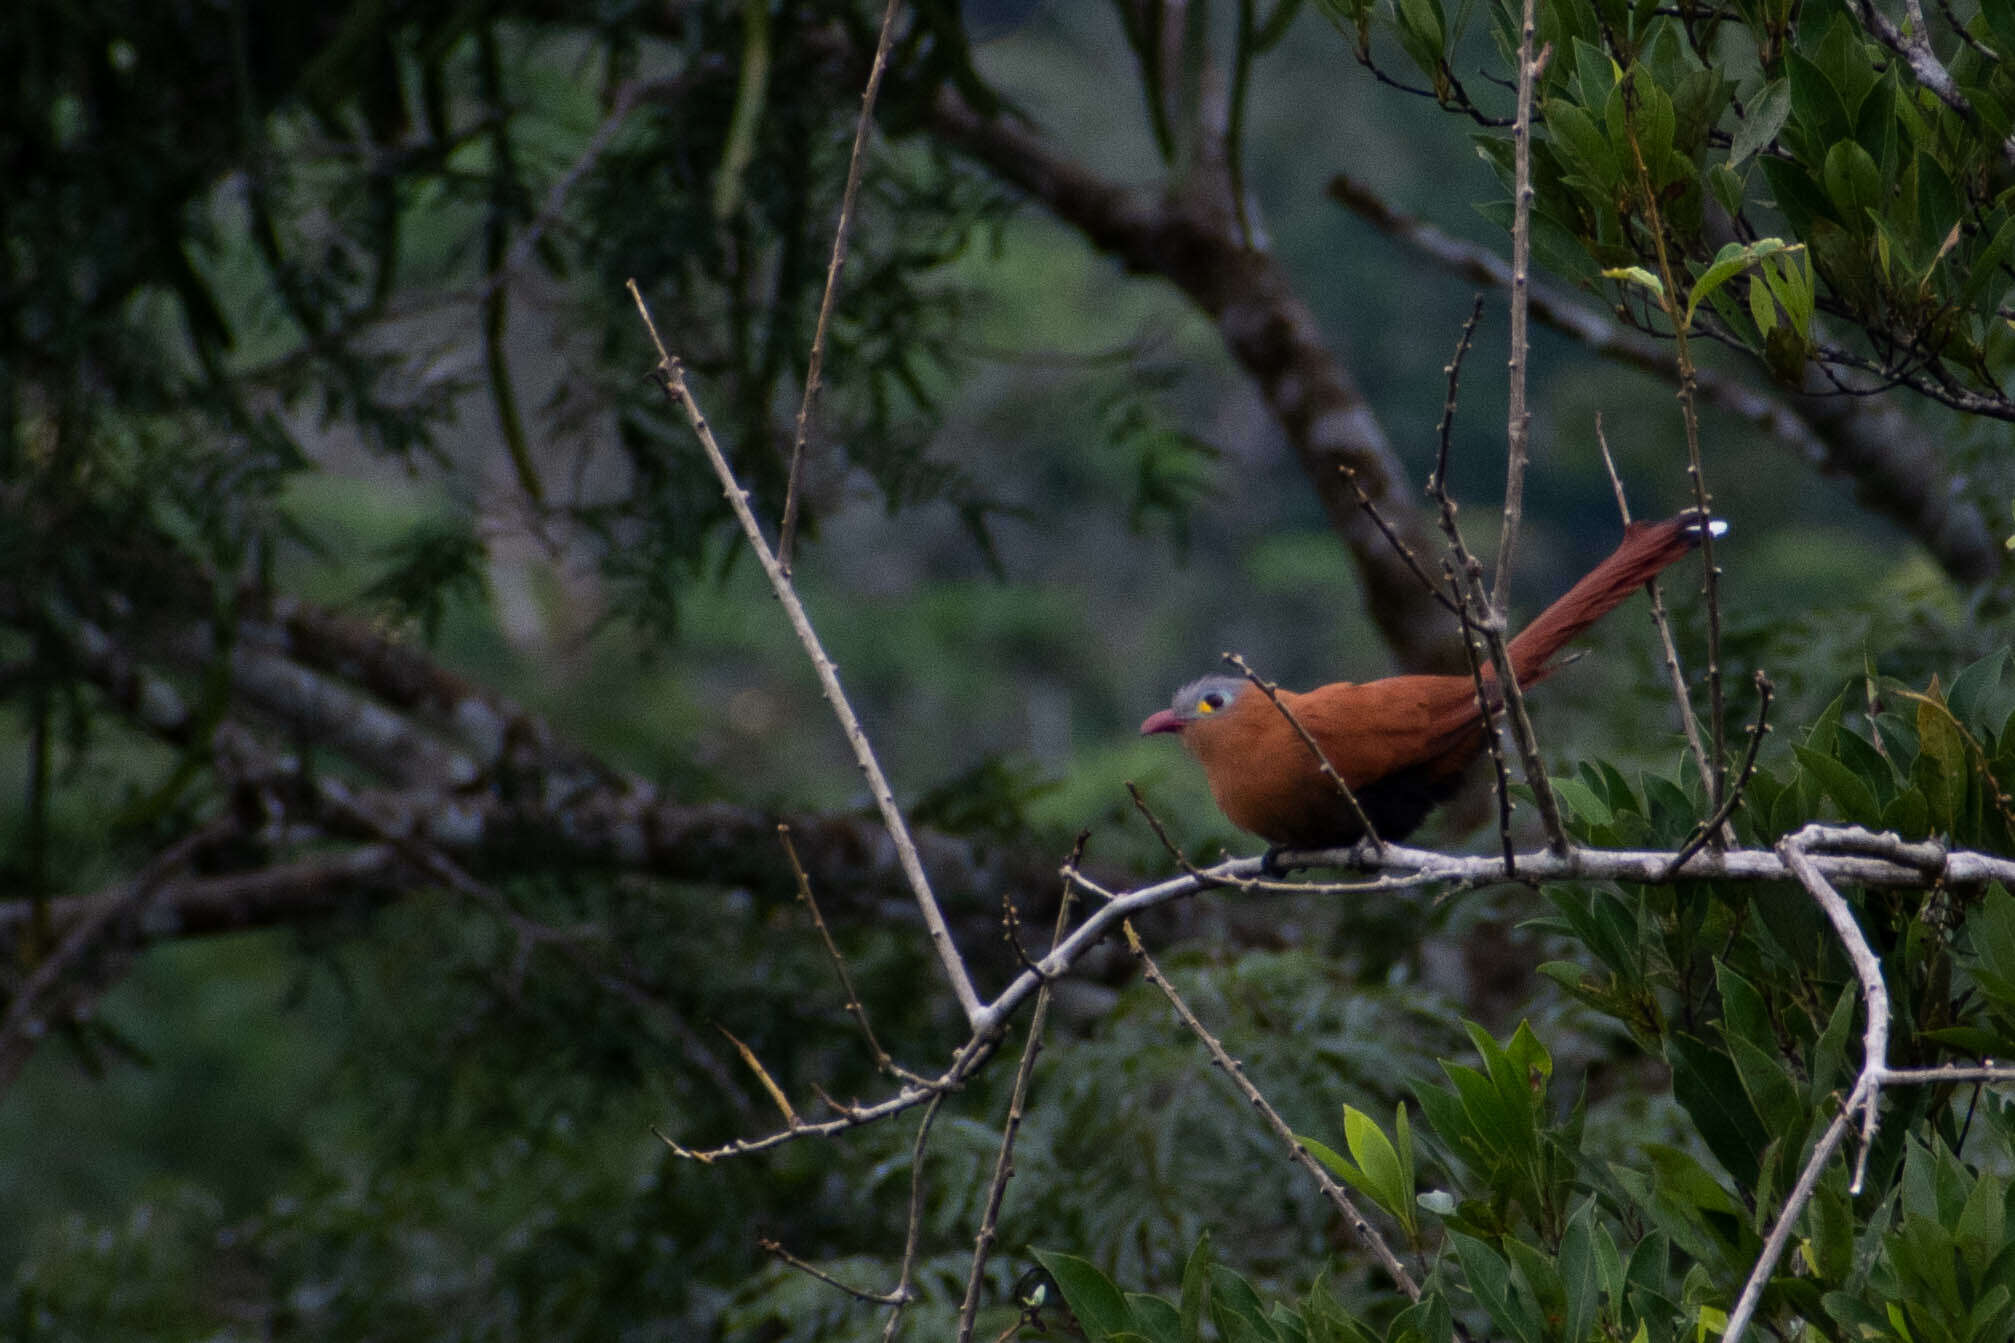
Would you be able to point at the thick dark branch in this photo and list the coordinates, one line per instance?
(1192, 239)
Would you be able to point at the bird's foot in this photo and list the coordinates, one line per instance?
(1269, 862)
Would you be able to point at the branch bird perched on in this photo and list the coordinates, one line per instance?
(1401, 743)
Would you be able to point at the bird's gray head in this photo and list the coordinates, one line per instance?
(1200, 699)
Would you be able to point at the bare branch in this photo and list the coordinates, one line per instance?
(1365, 1234)
(1004, 1161)
(810, 1270)
(1272, 692)
(1901, 471)
(1687, 722)
(1190, 237)
(1519, 420)
(854, 1006)
(913, 1235)
(1717, 824)
(787, 531)
(57, 989)
(674, 379)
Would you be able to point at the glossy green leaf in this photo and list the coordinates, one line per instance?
(1090, 1294)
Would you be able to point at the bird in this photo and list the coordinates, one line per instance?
(1401, 743)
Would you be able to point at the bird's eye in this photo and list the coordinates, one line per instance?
(1210, 703)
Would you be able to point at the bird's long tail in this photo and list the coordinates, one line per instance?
(1647, 548)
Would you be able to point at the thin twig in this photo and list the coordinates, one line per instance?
(1398, 542)
(673, 378)
(1272, 692)
(1366, 1234)
(1160, 831)
(1687, 721)
(855, 1007)
(1518, 419)
(1444, 429)
(1466, 569)
(1675, 313)
(1017, 1099)
(1493, 741)
(967, 1061)
(810, 1270)
(1714, 824)
(787, 531)
(912, 1237)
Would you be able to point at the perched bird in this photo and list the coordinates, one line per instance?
(1401, 743)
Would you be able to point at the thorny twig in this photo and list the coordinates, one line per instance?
(1518, 418)
(913, 1236)
(811, 1270)
(787, 531)
(673, 378)
(1717, 777)
(1017, 1100)
(1366, 1234)
(855, 1008)
(1493, 743)
(1716, 824)
(1398, 542)
(1465, 572)
(1272, 692)
(1687, 721)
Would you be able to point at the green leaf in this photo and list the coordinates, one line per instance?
(1983, 282)
(1941, 766)
(1771, 1092)
(1090, 1294)
(1743, 1012)
(1236, 1310)
(1636, 275)
(1595, 73)
(1196, 1289)
(1854, 183)
(1582, 802)
(1427, 1320)
(1708, 1087)
(1991, 932)
(1581, 146)
(1761, 121)
(1489, 1277)
(1854, 797)
(1155, 1320)
(2000, 16)
(1730, 261)
(1975, 698)
(1580, 1276)
(1816, 103)
(1728, 186)
(1390, 1186)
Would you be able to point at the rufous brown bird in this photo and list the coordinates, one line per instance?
(1401, 743)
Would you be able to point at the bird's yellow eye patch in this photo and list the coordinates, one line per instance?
(1205, 706)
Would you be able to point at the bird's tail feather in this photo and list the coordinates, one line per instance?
(1646, 549)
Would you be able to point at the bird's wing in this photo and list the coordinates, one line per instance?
(1374, 729)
